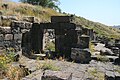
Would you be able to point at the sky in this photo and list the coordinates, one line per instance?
(103, 11)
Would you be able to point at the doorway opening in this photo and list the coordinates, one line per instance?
(49, 40)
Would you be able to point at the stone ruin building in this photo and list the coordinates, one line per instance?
(71, 40)
(68, 40)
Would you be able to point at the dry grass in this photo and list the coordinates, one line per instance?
(97, 75)
(15, 72)
(7, 69)
(21, 9)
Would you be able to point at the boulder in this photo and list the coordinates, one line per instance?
(106, 51)
(109, 75)
(56, 75)
(81, 55)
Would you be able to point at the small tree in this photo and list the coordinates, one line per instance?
(45, 3)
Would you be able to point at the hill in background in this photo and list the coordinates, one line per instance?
(43, 14)
(116, 26)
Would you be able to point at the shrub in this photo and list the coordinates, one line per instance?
(91, 46)
(50, 46)
(50, 66)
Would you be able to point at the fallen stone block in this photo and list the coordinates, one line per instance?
(56, 75)
(81, 55)
(106, 51)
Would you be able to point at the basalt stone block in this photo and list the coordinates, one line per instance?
(16, 30)
(24, 30)
(56, 75)
(9, 18)
(67, 26)
(117, 61)
(56, 26)
(1, 37)
(17, 36)
(81, 55)
(7, 43)
(28, 25)
(115, 50)
(4, 17)
(19, 24)
(8, 37)
(117, 41)
(1, 44)
(60, 19)
(5, 30)
(117, 45)
(29, 19)
(83, 42)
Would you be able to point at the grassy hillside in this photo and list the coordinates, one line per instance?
(44, 14)
(101, 29)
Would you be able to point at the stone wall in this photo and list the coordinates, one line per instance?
(11, 37)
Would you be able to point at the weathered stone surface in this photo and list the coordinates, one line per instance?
(16, 30)
(80, 55)
(29, 19)
(24, 30)
(117, 61)
(28, 25)
(109, 75)
(59, 19)
(22, 25)
(83, 42)
(56, 75)
(5, 30)
(9, 18)
(117, 45)
(106, 51)
(18, 24)
(1, 37)
(34, 76)
(115, 50)
(1, 44)
(17, 36)
(8, 37)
